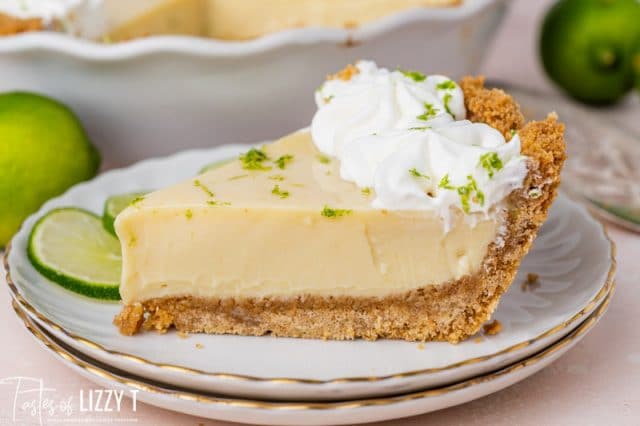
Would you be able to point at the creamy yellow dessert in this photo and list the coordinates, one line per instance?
(119, 20)
(402, 212)
(234, 232)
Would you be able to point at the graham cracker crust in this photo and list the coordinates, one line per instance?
(451, 312)
(10, 25)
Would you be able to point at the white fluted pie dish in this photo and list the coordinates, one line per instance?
(158, 95)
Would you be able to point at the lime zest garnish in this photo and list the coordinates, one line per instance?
(204, 188)
(416, 76)
(279, 192)
(334, 213)
(445, 184)
(188, 214)
(535, 193)
(279, 178)
(366, 191)
(253, 159)
(467, 191)
(446, 99)
(415, 173)
(423, 128)
(283, 160)
(238, 177)
(323, 159)
(446, 85)
(429, 112)
(491, 162)
(218, 203)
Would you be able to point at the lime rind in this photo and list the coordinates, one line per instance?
(70, 247)
(114, 205)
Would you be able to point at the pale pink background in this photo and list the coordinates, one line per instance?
(597, 382)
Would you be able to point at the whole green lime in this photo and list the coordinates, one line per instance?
(588, 47)
(43, 151)
(636, 67)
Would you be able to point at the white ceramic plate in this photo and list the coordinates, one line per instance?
(297, 413)
(158, 95)
(572, 255)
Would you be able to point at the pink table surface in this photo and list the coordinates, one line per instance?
(597, 382)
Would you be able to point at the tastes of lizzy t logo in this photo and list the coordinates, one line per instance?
(33, 402)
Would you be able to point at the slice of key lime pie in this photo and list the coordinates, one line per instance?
(402, 212)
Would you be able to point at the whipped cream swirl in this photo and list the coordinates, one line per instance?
(404, 135)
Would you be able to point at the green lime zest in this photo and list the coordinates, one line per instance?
(254, 159)
(446, 99)
(445, 183)
(468, 193)
(238, 177)
(283, 160)
(279, 192)
(334, 213)
(429, 112)
(415, 173)
(416, 76)
(216, 203)
(204, 188)
(491, 162)
(323, 159)
(446, 85)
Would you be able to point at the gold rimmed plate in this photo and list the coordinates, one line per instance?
(310, 413)
(572, 256)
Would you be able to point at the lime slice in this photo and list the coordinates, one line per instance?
(114, 205)
(215, 165)
(70, 247)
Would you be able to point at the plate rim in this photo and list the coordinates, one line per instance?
(83, 341)
(189, 395)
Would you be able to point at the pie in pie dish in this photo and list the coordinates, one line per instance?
(402, 212)
(119, 20)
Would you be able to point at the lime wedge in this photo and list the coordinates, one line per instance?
(70, 247)
(215, 165)
(114, 205)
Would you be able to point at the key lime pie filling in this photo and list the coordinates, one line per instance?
(402, 212)
(121, 20)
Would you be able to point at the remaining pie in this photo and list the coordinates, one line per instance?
(393, 216)
(117, 20)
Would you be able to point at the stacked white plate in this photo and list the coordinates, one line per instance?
(267, 380)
